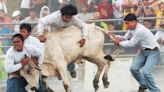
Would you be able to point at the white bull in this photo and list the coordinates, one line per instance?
(62, 47)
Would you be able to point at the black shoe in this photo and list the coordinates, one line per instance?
(108, 57)
(142, 89)
(73, 74)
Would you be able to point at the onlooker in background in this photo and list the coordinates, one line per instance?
(38, 4)
(160, 39)
(6, 39)
(3, 6)
(129, 6)
(118, 13)
(149, 24)
(32, 18)
(54, 5)
(16, 20)
(145, 10)
(25, 7)
(105, 9)
(44, 11)
(159, 13)
(84, 14)
(6, 19)
(95, 16)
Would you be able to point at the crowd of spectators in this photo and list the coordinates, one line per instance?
(31, 10)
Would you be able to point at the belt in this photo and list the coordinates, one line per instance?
(14, 74)
(155, 49)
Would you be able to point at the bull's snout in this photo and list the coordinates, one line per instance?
(34, 88)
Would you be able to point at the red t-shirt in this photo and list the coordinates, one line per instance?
(106, 10)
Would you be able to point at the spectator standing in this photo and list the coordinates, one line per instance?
(129, 6)
(159, 13)
(118, 13)
(84, 14)
(25, 7)
(32, 18)
(54, 5)
(6, 19)
(6, 41)
(16, 20)
(38, 4)
(105, 9)
(3, 6)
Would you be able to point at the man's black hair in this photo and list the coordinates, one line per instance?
(130, 17)
(26, 26)
(68, 10)
(19, 36)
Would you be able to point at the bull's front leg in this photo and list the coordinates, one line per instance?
(47, 88)
(64, 76)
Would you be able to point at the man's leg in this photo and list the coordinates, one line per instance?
(137, 64)
(71, 69)
(152, 58)
(16, 84)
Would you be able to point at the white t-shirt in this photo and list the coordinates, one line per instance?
(25, 3)
(13, 57)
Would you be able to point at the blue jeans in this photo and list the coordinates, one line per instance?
(18, 84)
(145, 60)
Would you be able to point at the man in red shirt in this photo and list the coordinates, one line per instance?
(106, 10)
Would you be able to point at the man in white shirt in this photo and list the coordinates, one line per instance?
(63, 18)
(25, 30)
(17, 57)
(148, 56)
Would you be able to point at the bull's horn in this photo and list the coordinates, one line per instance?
(37, 68)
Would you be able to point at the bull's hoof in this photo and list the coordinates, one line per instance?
(106, 84)
(59, 77)
(95, 84)
(49, 90)
(96, 88)
(73, 74)
(109, 58)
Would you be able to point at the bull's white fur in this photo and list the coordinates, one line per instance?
(62, 47)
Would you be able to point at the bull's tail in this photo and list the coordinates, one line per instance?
(101, 29)
(116, 52)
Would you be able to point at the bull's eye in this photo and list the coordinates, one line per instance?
(29, 70)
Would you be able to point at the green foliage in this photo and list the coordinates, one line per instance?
(3, 74)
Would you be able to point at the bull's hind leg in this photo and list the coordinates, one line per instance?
(62, 69)
(100, 66)
(106, 69)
